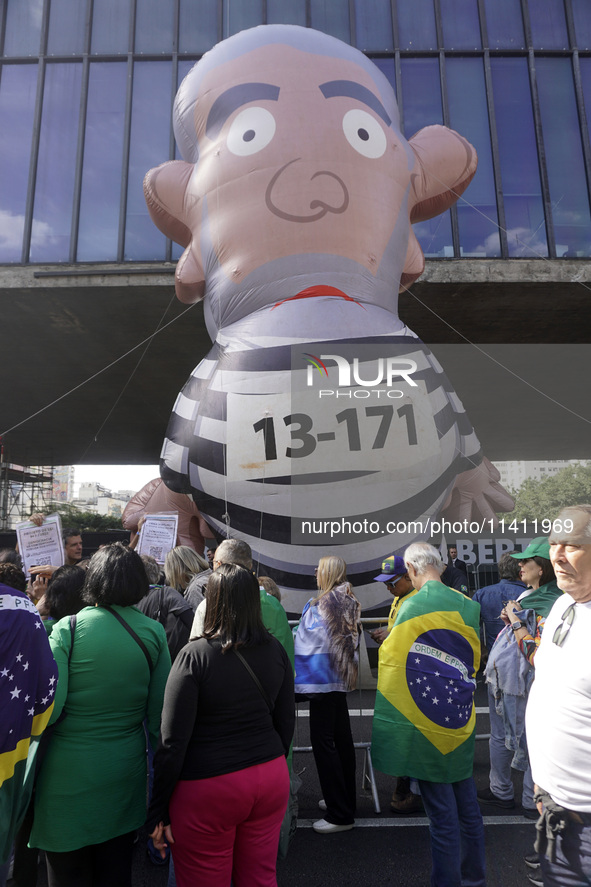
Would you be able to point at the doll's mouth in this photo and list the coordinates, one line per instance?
(313, 291)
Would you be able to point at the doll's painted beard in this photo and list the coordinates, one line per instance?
(279, 280)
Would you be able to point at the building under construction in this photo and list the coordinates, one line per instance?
(23, 490)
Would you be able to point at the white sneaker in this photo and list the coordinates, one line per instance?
(329, 828)
(322, 804)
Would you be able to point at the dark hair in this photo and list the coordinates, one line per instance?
(115, 575)
(63, 596)
(152, 568)
(11, 556)
(234, 608)
(68, 532)
(548, 574)
(12, 576)
(508, 567)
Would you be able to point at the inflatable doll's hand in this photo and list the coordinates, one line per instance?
(477, 495)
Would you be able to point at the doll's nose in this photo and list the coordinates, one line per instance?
(303, 193)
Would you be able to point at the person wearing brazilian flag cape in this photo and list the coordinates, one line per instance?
(424, 721)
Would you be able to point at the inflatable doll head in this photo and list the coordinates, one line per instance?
(296, 174)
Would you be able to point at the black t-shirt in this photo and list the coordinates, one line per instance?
(215, 720)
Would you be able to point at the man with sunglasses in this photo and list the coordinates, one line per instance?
(397, 581)
(558, 718)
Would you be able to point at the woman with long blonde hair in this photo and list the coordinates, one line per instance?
(188, 572)
(326, 662)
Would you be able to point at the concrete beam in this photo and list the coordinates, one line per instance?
(65, 325)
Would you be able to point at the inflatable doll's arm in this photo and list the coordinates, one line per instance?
(477, 495)
(155, 498)
(177, 213)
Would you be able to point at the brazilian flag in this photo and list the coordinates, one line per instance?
(424, 721)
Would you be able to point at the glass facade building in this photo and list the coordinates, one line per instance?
(86, 92)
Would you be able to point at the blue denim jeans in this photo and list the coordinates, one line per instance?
(171, 874)
(457, 833)
(500, 778)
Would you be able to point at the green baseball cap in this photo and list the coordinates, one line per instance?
(539, 547)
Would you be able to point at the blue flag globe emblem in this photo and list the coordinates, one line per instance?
(438, 678)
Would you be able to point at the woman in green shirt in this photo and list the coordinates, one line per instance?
(91, 791)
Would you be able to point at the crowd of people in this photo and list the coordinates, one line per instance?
(194, 668)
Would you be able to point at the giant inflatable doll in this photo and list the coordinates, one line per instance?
(318, 422)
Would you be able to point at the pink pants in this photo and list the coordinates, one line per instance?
(227, 827)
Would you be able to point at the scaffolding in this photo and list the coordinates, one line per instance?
(23, 490)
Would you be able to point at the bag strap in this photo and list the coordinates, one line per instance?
(72, 636)
(136, 638)
(262, 690)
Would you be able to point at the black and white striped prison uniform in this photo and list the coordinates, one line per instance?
(253, 504)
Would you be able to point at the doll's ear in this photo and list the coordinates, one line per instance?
(178, 215)
(164, 190)
(445, 166)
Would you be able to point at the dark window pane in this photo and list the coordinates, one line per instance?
(23, 27)
(286, 12)
(373, 23)
(17, 106)
(548, 25)
(504, 24)
(459, 19)
(522, 192)
(103, 155)
(421, 105)
(184, 67)
(582, 19)
(564, 157)
(153, 26)
(477, 209)
(388, 69)
(110, 26)
(54, 188)
(585, 64)
(416, 25)
(150, 132)
(241, 14)
(421, 94)
(198, 28)
(67, 23)
(332, 17)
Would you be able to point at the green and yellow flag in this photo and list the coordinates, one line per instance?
(424, 719)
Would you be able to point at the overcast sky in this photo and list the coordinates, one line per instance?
(116, 477)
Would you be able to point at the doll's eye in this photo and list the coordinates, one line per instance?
(251, 131)
(364, 133)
